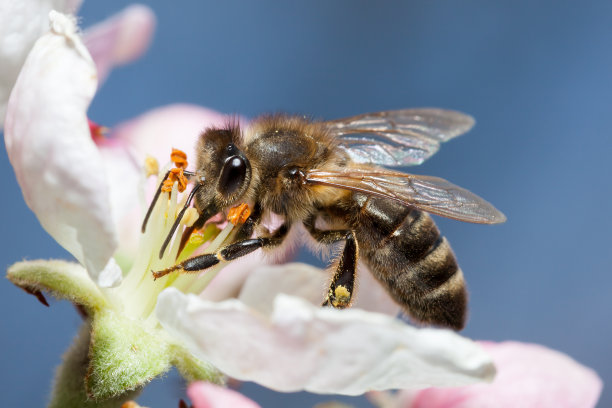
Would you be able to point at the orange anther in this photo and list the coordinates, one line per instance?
(176, 174)
(167, 186)
(239, 214)
(179, 158)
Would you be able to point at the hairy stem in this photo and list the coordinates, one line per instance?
(69, 384)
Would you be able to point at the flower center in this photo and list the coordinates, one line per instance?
(139, 290)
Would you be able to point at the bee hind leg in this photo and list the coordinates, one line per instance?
(340, 291)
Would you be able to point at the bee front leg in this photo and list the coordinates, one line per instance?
(245, 231)
(340, 291)
(227, 253)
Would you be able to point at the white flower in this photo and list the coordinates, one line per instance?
(21, 24)
(300, 346)
(529, 376)
(55, 86)
(87, 196)
(84, 195)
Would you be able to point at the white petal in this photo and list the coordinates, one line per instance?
(303, 347)
(296, 279)
(126, 188)
(228, 283)
(48, 141)
(120, 39)
(21, 24)
(111, 275)
(310, 283)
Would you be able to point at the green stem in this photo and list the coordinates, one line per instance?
(69, 386)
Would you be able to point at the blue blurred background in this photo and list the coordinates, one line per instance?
(537, 76)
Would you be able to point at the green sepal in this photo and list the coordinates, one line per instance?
(123, 355)
(69, 387)
(63, 279)
(193, 369)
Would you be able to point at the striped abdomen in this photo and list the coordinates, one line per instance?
(404, 250)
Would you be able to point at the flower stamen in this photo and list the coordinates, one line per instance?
(151, 166)
(176, 175)
(190, 217)
(179, 158)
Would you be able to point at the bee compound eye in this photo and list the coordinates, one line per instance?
(232, 175)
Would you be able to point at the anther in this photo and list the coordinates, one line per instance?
(190, 217)
(151, 166)
(176, 174)
(179, 158)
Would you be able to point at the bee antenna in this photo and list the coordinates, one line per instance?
(178, 220)
(150, 210)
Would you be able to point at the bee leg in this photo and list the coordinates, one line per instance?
(245, 231)
(343, 282)
(227, 253)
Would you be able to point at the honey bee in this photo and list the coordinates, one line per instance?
(310, 172)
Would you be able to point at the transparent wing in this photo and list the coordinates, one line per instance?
(400, 137)
(430, 194)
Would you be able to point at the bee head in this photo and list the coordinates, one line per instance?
(223, 170)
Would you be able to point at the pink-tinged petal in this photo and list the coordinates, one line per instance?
(300, 346)
(528, 376)
(297, 279)
(156, 132)
(230, 280)
(21, 24)
(370, 295)
(308, 282)
(120, 39)
(253, 268)
(47, 138)
(207, 395)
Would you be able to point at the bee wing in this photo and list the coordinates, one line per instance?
(400, 137)
(430, 194)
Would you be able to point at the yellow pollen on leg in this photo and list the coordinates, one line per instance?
(342, 297)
